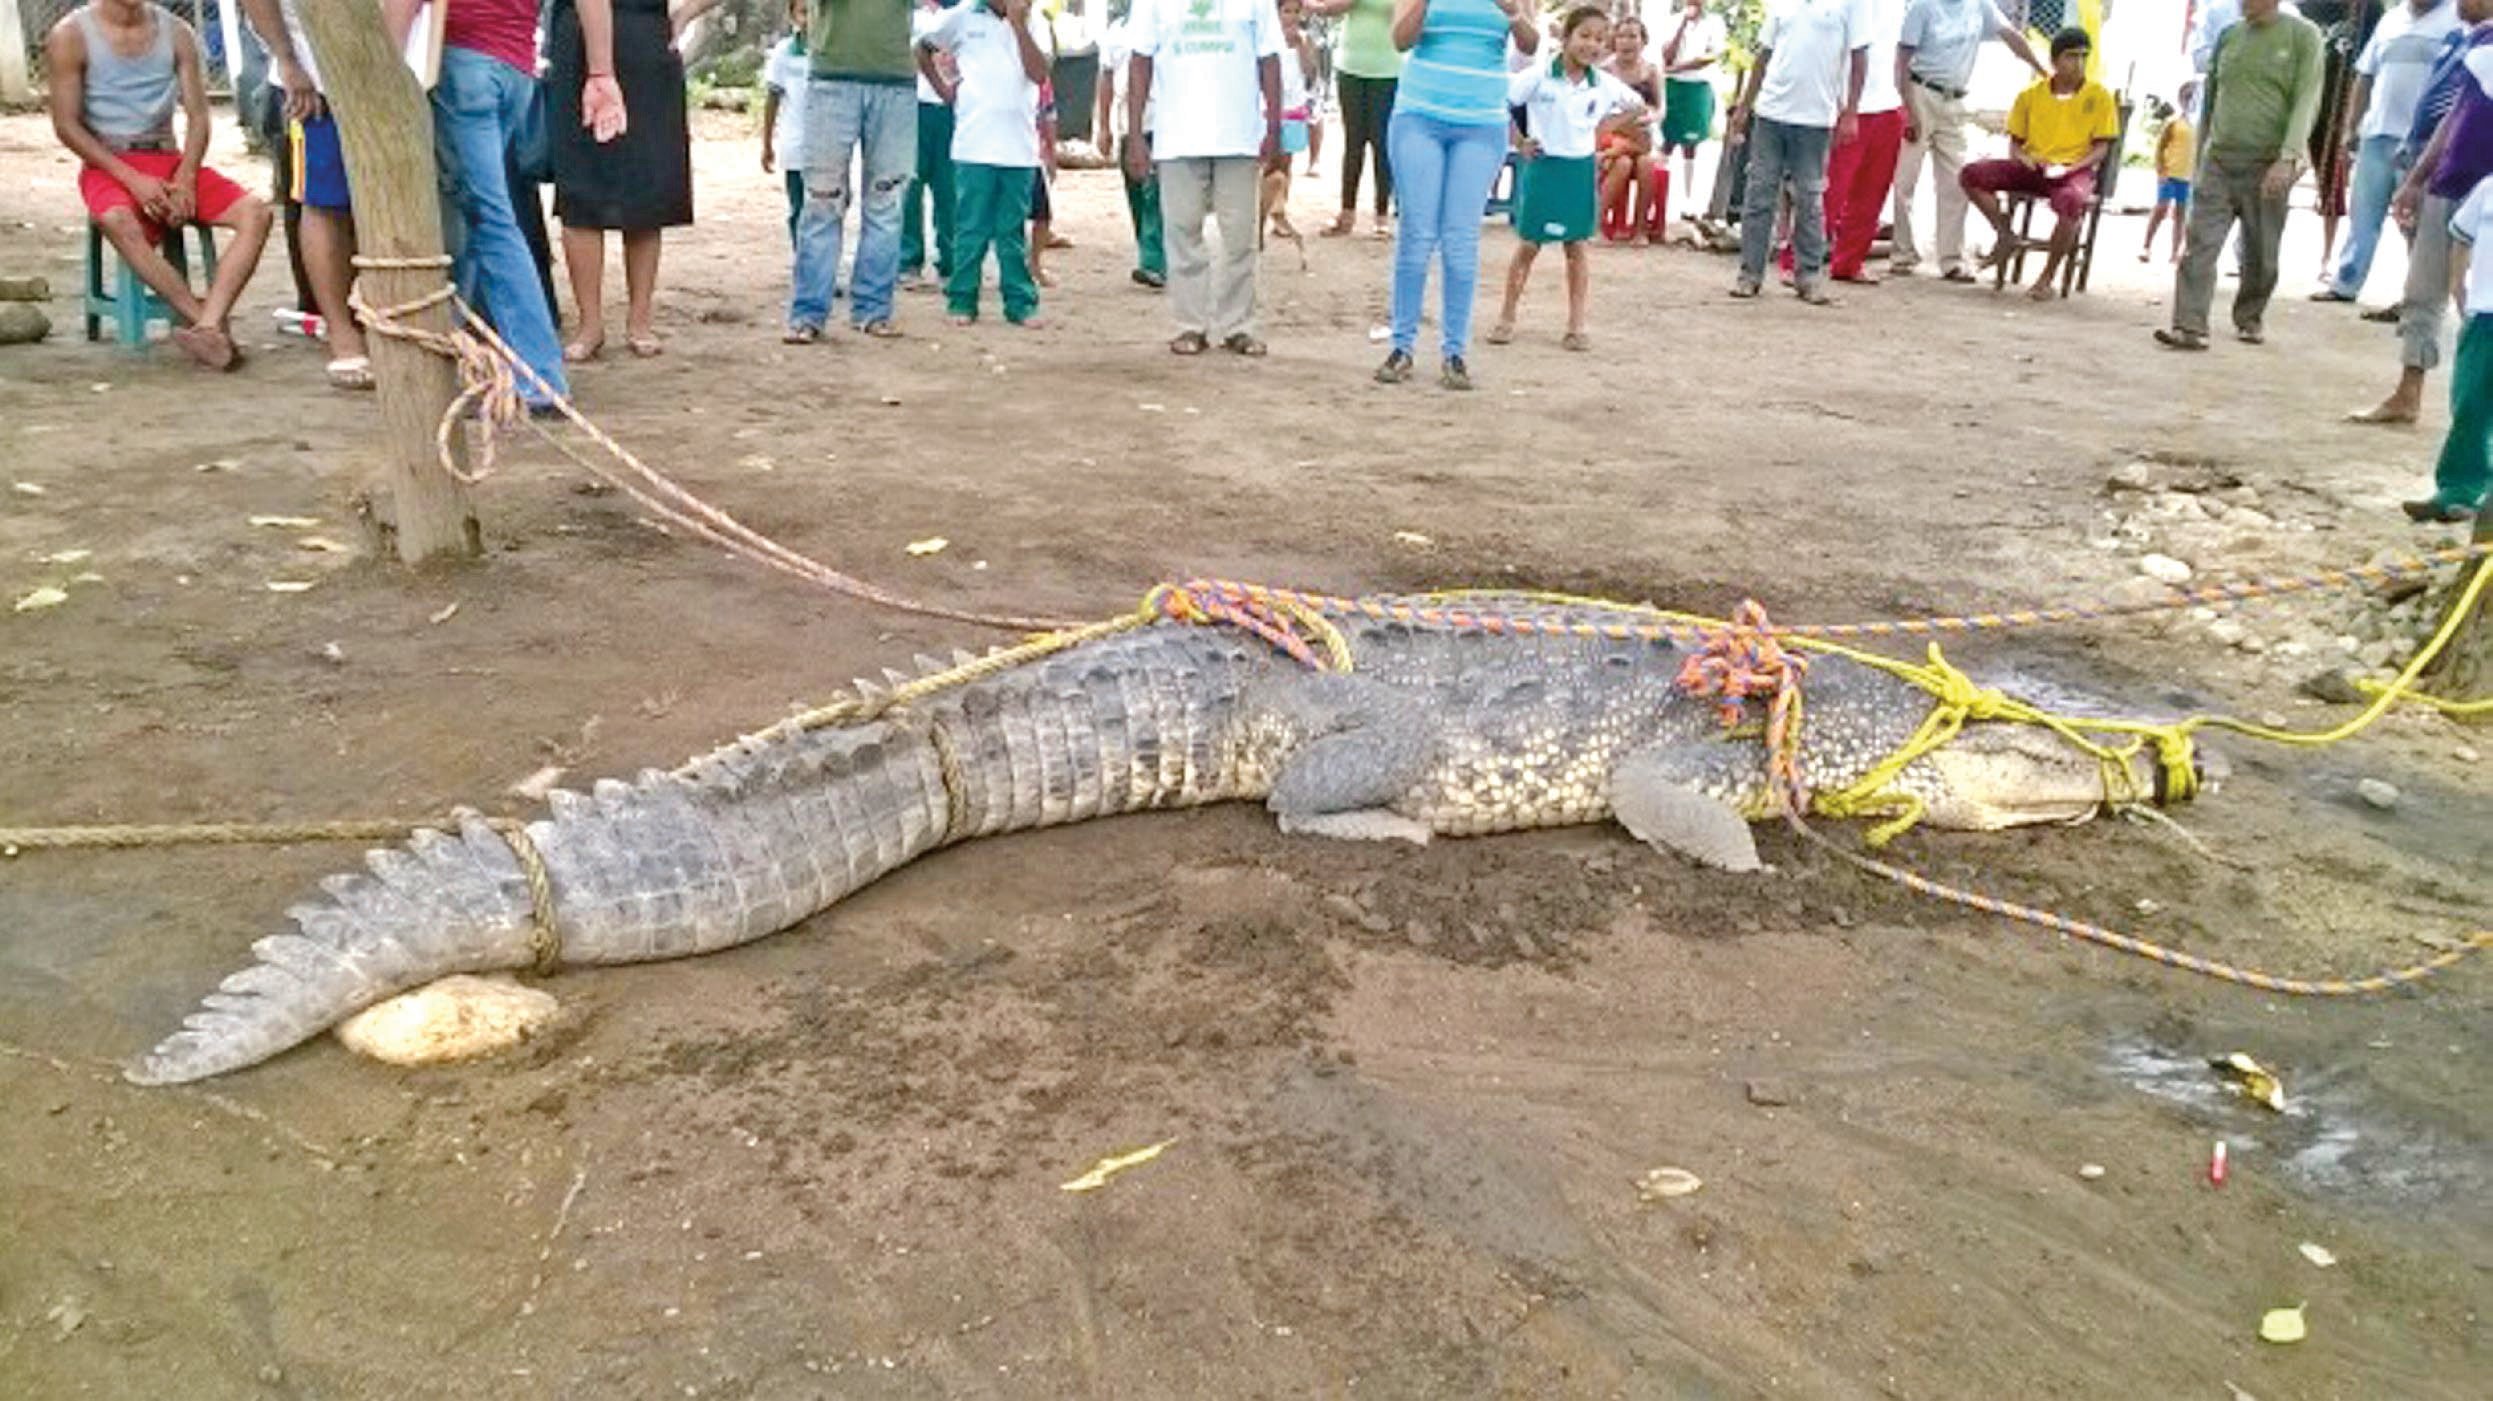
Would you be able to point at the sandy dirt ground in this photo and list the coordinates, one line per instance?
(1412, 1092)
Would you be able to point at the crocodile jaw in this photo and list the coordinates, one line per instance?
(2006, 775)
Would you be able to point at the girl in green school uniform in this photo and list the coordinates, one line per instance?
(995, 151)
(1568, 104)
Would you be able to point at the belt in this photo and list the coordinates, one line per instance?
(1954, 94)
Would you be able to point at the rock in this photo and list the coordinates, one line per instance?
(455, 1018)
(2332, 685)
(1769, 1094)
(2228, 632)
(2246, 518)
(2378, 792)
(2465, 754)
(2131, 476)
(25, 289)
(23, 323)
(2090, 1171)
(2164, 569)
(2377, 652)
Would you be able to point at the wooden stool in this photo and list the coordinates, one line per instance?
(131, 305)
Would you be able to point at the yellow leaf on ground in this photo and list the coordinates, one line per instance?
(67, 556)
(286, 522)
(320, 545)
(2283, 1325)
(1106, 1168)
(289, 585)
(1662, 1183)
(45, 597)
(933, 544)
(26, 488)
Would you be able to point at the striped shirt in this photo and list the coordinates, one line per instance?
(1457, 71)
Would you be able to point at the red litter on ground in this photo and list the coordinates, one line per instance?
(2216, 1165)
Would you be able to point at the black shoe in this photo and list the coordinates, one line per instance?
(1455, 375)
(1150, 279)
(2432, 510)
(1396, 369)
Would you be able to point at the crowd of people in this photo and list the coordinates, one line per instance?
(938, 124)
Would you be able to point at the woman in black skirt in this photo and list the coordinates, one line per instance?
(640, 180)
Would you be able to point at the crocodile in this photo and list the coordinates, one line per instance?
(1430, 731)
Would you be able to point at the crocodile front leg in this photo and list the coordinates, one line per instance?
(1686, 797)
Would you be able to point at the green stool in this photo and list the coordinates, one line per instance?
(130, 305)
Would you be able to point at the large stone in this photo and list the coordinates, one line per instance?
(23, 323)
(25, 289)
(2165, 569)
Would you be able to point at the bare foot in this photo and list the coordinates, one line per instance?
(1500, 333)
(2391, 410)
(2042, 292)
(205, 345)
(1032, 322)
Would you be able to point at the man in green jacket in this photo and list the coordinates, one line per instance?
(2262, 95)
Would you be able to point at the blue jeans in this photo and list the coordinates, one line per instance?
(479, 108)
(2376, 174)
(1780, 151)
(840, 117)
(1442, 177)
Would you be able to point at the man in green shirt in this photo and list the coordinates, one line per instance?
(2262, 95)
(863, 94)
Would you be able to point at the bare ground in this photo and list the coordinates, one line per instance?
(1411, 1093)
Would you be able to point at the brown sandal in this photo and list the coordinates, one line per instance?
(1240, 343)
(1189, 343)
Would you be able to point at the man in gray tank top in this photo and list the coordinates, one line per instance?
(118, 70)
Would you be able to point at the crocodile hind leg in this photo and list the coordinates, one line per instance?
(1684, 797)
(1368, 744)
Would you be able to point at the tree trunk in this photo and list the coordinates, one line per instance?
(385, 122)
(2465, 671)
(15, 91)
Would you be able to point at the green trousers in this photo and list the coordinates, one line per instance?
(2466, 469)
(991, 208)
(931, 183)
(1142, 200)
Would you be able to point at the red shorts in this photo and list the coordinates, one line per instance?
(2069, 194)
(104, 194)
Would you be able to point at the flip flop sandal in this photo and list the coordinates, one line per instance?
(583, 352)
(645, 346)
(1575, 340)
(880, 330)
(1240, 343)
(1189, 343)
(350, 372)
(2172, 339)
(800, 335)
(1500, 333)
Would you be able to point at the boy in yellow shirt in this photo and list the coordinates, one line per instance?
(2176, 155)
(2059, 133)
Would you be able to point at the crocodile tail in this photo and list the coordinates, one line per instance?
(441, 904)
(734, 845)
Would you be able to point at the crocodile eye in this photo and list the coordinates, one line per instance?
(1619, 660)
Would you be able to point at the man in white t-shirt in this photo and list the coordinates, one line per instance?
(1142, 192)
(2390, 75)
(1211, 69)
(1935, 58)
(1800, 98)
(1861, 170)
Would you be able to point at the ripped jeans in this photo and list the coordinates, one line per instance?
(842, 116)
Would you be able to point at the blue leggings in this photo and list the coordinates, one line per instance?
(1442, 177)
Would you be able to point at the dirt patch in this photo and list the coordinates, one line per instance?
(1410, 1092)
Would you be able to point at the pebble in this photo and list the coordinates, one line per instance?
(2228, 632)
(2465, 754)
(2333, 686)
(23, 323)
(2131, 476)
(1769, 1094)
(2164, 569)
(2378, 792)
(2090, 1171)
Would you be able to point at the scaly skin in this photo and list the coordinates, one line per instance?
(1461, 733)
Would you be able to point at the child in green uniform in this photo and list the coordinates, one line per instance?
(995, 151)
(1568, 104)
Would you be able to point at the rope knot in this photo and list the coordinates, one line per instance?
(1952, 689)
(1286, 625)
(1744, 660)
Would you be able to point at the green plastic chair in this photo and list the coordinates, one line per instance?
(129, 304)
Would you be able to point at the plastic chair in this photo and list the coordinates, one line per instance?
(130, 305)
